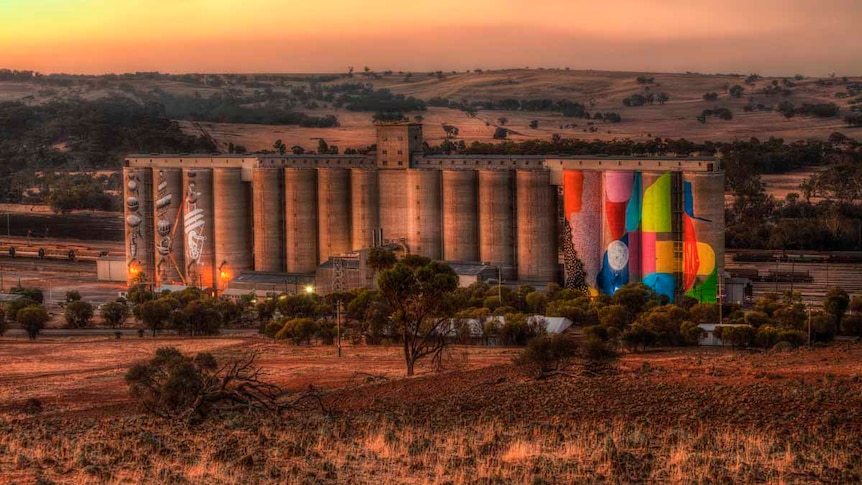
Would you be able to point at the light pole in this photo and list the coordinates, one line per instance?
(809, 324)
(338, 326)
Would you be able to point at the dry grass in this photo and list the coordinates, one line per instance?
(348, 450)
(680, 416)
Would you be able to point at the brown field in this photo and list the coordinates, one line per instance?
(687, 415)
(604, 89)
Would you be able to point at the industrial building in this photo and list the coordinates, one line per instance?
(219, 220)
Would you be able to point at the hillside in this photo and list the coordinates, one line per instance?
(754, 112)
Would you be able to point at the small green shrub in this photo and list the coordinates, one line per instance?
(547, 354)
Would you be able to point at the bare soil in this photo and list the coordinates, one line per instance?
(685, 415)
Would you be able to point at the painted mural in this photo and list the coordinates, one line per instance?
(135, 230)
(194, 223)
(167, 219)
(622, 228)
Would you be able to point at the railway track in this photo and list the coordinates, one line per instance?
(820, 276)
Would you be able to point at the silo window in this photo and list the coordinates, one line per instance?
(400, 152)
(385, 152)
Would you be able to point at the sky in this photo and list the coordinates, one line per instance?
(770, 37)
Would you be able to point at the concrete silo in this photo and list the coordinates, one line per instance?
(268, 204)
(703, 234)
(424, 213)
(198, 225)
(300, 219)
(169, 236)
(460, 215)
(393, 203)
(138, 212)
(497, 219)
(333, 202)
(537, 226)
(365, 206)
(233, 237)
(582, 202)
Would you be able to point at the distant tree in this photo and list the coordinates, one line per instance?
(114, 313)
(645, 80)
(534, 124)
(501, 133)
(736, 91)
(389, 116)
(418, 118)
(662, 98)
(836, 303)
(279, 147)
(502, 120)
(33, 319)
(711, 96)
(297, 150)
(78, 314)
(787, 109)
(322, 146)
(450, 130)
(471, 112)
(419, 291)
(380, 259)
(33, 294)
(156, 313)
(73, 295)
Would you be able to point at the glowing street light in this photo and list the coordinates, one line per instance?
(309, 289)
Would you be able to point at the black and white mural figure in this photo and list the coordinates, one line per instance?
(194, 224)
(164, 226)
(134, 220)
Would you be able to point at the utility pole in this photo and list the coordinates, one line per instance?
(809, 324)
(720, 316)
(338, 326)
(500, 284)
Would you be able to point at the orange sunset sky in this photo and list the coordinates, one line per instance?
(771, 37)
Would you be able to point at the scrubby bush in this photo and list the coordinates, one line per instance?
(766, 336)
(272, 328)
(547, 354)
(691, 332)
(176, 386)
(738, 336)
(793, 337)
(114, 313)
(638, 336)
(300, 330)
(757, 319)
(33, 319)
(78, 314)
(783, 347)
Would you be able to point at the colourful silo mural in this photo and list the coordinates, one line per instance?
(623, 230)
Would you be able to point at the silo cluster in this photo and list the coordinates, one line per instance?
(203, 220)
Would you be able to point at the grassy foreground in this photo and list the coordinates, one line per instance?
(683, 416)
